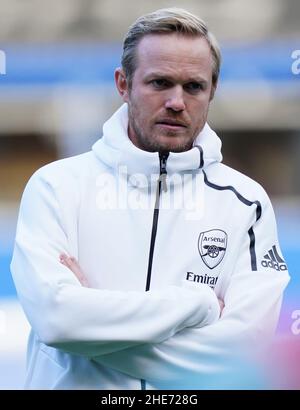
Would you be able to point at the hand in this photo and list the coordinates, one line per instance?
(222, 305)
(71, 263)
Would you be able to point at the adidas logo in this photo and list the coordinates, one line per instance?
(273, 260)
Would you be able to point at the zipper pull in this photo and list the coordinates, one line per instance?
(163, 156)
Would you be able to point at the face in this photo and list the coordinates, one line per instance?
(170, 93)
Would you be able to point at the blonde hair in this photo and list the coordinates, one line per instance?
(166, 21)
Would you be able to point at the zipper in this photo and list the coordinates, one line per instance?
(161, 184)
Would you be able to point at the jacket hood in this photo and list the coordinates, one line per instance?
(115, 149)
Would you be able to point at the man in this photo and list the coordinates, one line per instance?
(136, 300)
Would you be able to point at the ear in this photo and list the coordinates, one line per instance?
(212, 92)
(121, 83)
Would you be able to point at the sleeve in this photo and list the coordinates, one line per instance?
(81, 320)
(217, 356)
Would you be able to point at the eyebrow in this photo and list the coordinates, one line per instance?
(157, 74)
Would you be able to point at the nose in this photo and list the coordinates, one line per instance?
(175, 99)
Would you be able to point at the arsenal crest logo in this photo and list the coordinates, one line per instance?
(212, 247)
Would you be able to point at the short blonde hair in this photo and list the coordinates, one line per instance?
(166, 21)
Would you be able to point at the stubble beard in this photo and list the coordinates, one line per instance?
(152, 144)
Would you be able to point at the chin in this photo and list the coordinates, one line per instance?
(180, 146)
(163, 143)
(173, 147)
(180, 149)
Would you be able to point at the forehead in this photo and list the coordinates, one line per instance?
(175, 55)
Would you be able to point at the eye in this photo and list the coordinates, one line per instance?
(193, 87)
(160, 83)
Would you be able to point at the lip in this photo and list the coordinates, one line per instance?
(171, 127)
(170, 123)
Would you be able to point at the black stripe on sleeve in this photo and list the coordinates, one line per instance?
(248, 203)
(252, 249)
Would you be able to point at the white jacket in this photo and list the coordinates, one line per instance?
(151, 312)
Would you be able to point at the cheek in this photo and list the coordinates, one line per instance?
(140, 113)
(200, 106)
(198, 112)
(141, 102)
(147, 108)
(153, 100)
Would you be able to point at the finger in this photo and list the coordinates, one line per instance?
(63, 258)
(71, 263)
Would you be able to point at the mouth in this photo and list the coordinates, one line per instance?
(171, 124)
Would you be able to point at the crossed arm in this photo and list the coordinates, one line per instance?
(71, 263)
(214, 356)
